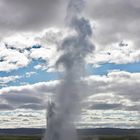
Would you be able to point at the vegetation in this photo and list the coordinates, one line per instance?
(20, 138)
(81, 138)
(113, 137)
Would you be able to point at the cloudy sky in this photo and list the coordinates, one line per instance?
(30, 33)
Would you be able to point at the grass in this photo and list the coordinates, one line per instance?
(81, 138)
(110, 138)
(20, 138)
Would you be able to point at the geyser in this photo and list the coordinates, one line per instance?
(74, 48)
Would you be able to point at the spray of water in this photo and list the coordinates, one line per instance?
(74, 49)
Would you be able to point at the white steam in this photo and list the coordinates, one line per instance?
(74, 49)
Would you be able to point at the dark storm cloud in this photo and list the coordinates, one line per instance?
(20, 98)
(32, 106)
(133, 108)
(115, 9)
(21, 101)
(6, 107)
(26, 115)
(30, 14)
(27, 97)
(105, 106)
(112, 106)
(24, 98)
(116, 20)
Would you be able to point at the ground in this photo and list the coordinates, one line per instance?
(107, 137)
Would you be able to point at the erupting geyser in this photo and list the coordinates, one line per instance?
(74, 49)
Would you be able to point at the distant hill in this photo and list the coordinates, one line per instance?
(22, 131)
(109, 131)
(97, 131)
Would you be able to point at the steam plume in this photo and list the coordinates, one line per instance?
(74, 49)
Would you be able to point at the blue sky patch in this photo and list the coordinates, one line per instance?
(105, 68)
(39, 75)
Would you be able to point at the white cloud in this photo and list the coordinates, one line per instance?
(29, 74)
(120, 83)
(20, 49)
(28, 96)
(24, 118)
(8, 79)
(117, 93)
(116, 54)
(21, 41)
(117, 89)
(49, 40)
(11, 59)
(112, 23)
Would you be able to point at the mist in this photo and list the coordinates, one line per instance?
(73, 49)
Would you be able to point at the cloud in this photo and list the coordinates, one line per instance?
(30, 15)
(11, 59)
(29, 74)
(26, 115)
(42, 53)
(120, 83)
(116, 20)
(41, 25)
(5, 80)
(115, 54)
(19, 50)
(32, 106)
(104, 106)
(28, 96)
(16, 98)
(110, 98)
(113, 22)
(117, 90)
(6, 107)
